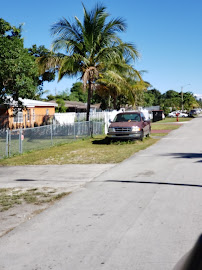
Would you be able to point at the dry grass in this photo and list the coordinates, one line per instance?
(10, 197)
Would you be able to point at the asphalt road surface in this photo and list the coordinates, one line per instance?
(142, 214)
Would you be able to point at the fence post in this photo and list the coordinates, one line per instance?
(20, 141)
(75, 130)
(51, 130)
(91, 128)
(7, 142)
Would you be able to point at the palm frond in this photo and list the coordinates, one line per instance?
(64, 30)
(69, 66)
(49, 62)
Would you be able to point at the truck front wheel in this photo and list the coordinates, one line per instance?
(141, 135)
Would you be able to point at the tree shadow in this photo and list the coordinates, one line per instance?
(25, 180)
(155, 183)
(187, 156)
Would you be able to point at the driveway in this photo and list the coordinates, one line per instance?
(143, 214)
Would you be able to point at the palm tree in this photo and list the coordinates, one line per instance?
(89, 47)
(121, 79)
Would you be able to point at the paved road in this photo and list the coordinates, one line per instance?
(70, 177)
(142, 214)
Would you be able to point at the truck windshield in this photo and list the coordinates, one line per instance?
(134, 117)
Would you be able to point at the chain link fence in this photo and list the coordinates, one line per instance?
(3, 143)
(23, 140)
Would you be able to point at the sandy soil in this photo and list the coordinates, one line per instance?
(20, 213)
(17, 215)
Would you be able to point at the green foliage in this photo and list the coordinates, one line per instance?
(50, 97)
(63, 95)
(200, 102)
(189, 101)
(170, 100)
(149, 99)
(48, 75)
(61, 106)
(18, 70)
(78, 93)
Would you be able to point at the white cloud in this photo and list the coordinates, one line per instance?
(198, 96)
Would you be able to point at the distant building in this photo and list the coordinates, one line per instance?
(77, 106)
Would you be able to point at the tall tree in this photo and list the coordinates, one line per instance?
(189, 101)
(18, 70)
(171, 99)
(122, 83)
(90, 47)
(77, 92)
(48, 75)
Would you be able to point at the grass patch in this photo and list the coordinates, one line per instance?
(85, 151)
(162, 126)
(158, 134)
(11, 197)
(174, 119)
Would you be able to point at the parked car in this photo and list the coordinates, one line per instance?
(181, 114)
(129, 125)
(172, 114)
(177, 113)
(193, 113)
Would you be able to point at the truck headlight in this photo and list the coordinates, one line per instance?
(135, 128)
(111, 129)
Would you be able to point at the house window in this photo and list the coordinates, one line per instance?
(18, 118)
(47, 111)
(33, 115)
(28, 115)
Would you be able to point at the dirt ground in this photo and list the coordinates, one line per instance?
(20, 213)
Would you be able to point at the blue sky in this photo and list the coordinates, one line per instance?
(167, 33)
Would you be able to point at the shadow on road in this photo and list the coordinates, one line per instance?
(25, 180)
(153, 183)
(186, 155)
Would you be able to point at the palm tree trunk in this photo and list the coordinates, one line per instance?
(89, 100)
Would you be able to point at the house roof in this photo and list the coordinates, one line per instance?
(31, 103)
(76, 104)
(37, 103)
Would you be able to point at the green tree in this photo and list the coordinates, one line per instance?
(189, 101)
(63, 95)
(91, 46)
(199, 102)
(149, 99)
(48, 75)
(18, 70)
(78, 93)
(157, 96)
(152, 97)
(61, 105)
(170, 99)
(50, 97)
(120, 84)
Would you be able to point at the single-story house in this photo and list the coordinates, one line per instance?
(77, 106)
(35, 113)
